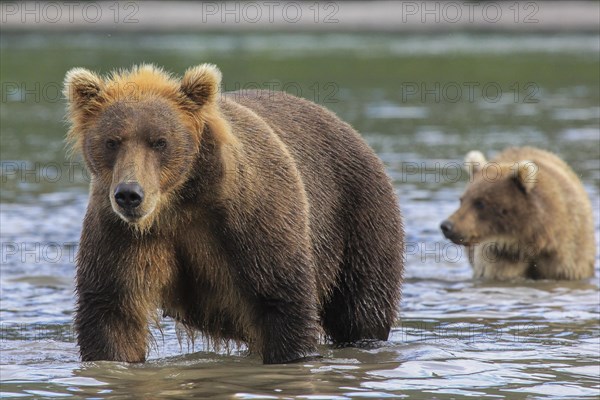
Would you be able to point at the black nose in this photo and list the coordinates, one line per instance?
(129, 195)
(446, 227)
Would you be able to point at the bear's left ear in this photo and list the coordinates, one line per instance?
(526, 175)
(201, 83)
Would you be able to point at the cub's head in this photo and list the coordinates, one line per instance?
(497, 205)
(139, 132)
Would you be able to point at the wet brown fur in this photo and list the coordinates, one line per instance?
(526, 215)
(265, 219)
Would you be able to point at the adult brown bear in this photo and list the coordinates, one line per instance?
(256, 217)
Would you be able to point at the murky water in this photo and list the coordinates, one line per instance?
(422, 102)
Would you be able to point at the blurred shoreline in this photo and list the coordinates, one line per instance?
(298, 16)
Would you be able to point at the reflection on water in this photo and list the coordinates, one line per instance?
(456, 338)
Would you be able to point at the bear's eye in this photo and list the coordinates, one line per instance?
(478, 204)
(159, 144)
(111, 144)
(504, 211)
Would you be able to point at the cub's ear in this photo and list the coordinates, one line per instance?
(525, 175)
(81, 87)
(474, 162)
(201, 83)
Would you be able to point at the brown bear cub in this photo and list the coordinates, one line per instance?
(256, 217)
(525, 214)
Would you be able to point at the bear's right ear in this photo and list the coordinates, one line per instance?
(81, 88)
(474, 162)
(525, 175)
(201, 83)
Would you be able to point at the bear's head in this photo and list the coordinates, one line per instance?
(139, 132)
(498, 204)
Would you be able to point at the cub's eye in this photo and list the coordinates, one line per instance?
(478, 204)
(159, 144)
(111, 144)
(504, 211)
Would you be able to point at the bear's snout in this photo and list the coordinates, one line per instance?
(451, 233)
(129, 195)
(446, 227)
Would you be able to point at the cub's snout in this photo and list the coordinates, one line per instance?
(454, 233)
(446, 227)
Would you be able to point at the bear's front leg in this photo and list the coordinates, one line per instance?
(117, 285)
(110, 326)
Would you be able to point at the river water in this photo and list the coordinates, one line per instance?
(422, 102)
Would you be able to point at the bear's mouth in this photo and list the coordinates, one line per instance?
(460, 240)
(138, 215)
(135, 216)
(131, 217)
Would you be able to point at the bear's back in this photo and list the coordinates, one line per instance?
(555, 175)
(303, 125)
(545, 159)
(328, 152)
